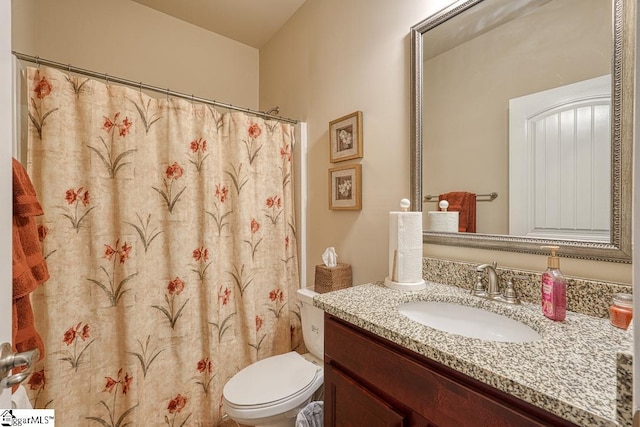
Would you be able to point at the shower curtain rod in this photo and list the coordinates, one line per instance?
(140, 85)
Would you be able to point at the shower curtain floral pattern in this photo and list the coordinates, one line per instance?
(170, 238)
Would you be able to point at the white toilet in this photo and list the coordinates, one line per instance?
(271, 392)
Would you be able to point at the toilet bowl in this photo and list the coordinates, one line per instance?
(271, 392)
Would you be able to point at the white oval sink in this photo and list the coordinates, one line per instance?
(468, 321)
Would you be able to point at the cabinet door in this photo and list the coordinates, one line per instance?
(347, 404)
(424, 391)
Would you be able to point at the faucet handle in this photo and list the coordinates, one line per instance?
(479, 288)
(510, 296)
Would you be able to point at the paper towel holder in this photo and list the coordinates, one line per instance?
(404, 286)
(396, 258)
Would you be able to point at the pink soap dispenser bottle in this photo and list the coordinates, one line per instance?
(554, 288)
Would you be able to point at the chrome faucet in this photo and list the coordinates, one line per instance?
(493, 288)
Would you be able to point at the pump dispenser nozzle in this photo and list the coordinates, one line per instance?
(553, 261)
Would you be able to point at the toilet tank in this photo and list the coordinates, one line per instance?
(312, 323)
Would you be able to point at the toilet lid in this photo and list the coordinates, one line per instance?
(270, 380)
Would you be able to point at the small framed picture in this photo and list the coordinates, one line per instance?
(345, 137)
(345, 188)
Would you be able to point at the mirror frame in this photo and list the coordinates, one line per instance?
(622, 123)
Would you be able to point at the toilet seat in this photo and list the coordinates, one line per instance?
(273, 385)
(270, 381)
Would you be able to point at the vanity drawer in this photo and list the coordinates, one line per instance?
(413, 383)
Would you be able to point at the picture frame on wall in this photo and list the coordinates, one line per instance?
(345, 188)
(345, 138)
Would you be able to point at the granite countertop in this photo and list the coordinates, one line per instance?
(570, 372)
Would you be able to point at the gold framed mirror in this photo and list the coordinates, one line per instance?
(444, 40)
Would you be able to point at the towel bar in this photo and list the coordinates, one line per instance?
(490, 197)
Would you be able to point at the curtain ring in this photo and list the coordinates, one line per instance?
(69, 70)
(38, 62)
(106, 78)
(167, 94)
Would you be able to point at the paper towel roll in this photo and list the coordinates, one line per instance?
(443, 221)
(405, 247)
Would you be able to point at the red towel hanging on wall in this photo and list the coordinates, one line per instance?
(29, 267)
(465, 203)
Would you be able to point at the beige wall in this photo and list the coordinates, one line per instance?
(125, 39)
(335, 57)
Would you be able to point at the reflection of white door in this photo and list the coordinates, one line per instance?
(559, 162)
(6, 201)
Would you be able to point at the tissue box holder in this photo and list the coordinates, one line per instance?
(332, 278)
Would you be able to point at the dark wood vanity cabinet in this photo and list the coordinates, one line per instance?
(372, 382)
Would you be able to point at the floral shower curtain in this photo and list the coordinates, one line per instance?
(170, 239)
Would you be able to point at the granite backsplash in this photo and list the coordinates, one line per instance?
(583, 296)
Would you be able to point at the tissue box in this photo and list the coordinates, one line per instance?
(332, 278)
